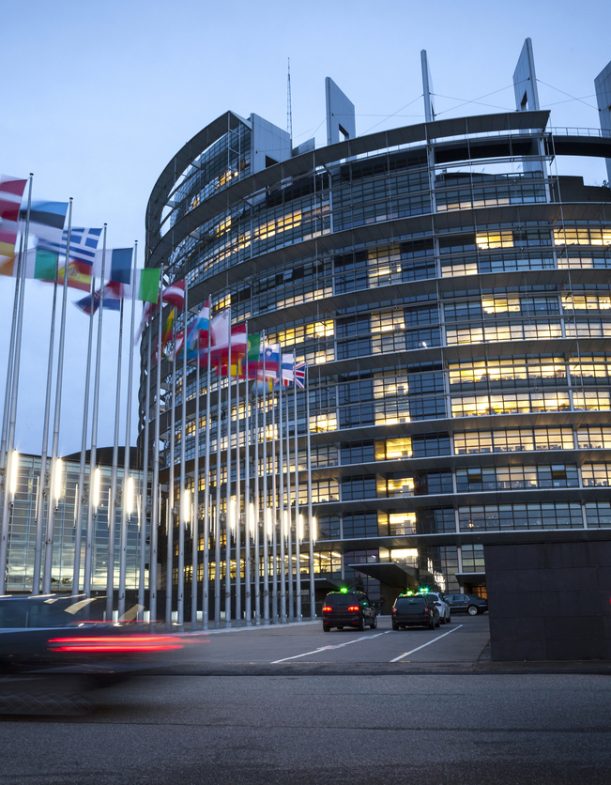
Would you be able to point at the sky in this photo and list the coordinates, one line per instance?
(98, 95)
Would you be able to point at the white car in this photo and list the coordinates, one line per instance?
(445, 614)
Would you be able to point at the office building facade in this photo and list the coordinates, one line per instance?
(451, 296)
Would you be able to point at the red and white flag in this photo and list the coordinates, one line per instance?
(11, 192)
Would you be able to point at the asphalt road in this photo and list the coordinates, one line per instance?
(268, 722)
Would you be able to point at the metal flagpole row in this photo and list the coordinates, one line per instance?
(195, 512)
(144, 493)
(155, 489)
(248, 509)
(128, 483)
(80, 491)
(56, 478)
(12, 391)
(184, 510)
(228, 491)
(288, 515)
(94, 476)
(257, 517)
(112, 496)
(207, 497)
(311, 523)
(268, 520)
(171, 401)
(282, 517)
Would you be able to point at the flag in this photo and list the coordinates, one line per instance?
(166, 335)
(250, 361)
(198, 334)
(83, 244)
(46, 219)
(11, 191)
(174, 294)
(117, 264)
(113, 296)
(146, 283)
(300, 374)
(38, 263)
(288, 369)
(271, 360)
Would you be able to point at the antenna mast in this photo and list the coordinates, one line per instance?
(289, 110)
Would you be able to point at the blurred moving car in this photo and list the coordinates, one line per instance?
(50, 632)
(466, 603)
(410, 610)
(445, 612)
(346, 608)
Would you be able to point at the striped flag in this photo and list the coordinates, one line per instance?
(83, 244)
(113, 296)
(46, 219)
(174, 294)
(11, 192)
(37, 263)
(117, 264)
(288, 369)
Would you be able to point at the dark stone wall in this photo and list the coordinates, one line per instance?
(549, 601)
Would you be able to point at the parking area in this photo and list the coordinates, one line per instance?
(462, 643)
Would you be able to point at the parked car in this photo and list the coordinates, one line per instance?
(348, 609)
(466, 603)
(415, 610)
(445, 612)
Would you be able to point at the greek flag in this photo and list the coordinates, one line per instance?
(83, 244)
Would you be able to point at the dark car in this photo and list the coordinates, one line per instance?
(348, 609)
(415, 610)
(466, 603)
(50, 631)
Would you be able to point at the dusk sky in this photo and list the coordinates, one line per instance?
(98, 95)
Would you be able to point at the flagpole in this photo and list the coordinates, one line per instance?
(289, 522)
(80, 498)
(180, 588)
(155, 488)
(257, 516)
(12, 391)
(217, 510)
(275, 606)
(238, 496)
(248, 516)
(144, 495)
(298, 527)
(207, 497)
(46, 585)
(228, 491)
(266, 509)
(125, 514)
(281, 500)
(91, 533)
(170, 515)
(309, 493)
(112, 497)
(195, 523)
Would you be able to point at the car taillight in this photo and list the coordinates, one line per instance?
(354, 608)
(326, 609)
(114, 644)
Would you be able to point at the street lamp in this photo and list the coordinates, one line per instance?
(13, 474)
(129, 496)
(57, 481)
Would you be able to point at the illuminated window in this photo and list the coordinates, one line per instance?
(397, 523)
(399, 486)
(594, 438)
(323, 422)
(582, 236)
(458, 269)
(500, 304)
(392, 449)
(596, 474)
(586, 302)
(488, 240)
(592, 400)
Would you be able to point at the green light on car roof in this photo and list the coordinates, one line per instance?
(344, 590)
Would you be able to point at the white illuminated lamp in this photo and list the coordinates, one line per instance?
(232, 514)
(58, 481)
(300, 527)
(185, 506)
(129, 496)
(96, 488)
(13, 473)
(267, 517)
(314, 530)
(251, 521)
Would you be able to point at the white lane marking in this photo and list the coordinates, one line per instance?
(438, 638)
(328, 648)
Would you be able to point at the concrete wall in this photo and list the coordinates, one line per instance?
(550, 601)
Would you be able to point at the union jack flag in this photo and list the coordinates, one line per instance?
(299, 373)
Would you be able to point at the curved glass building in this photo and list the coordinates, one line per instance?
(451, 296)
